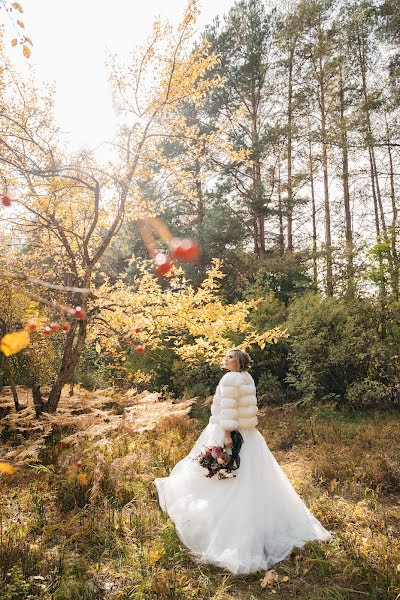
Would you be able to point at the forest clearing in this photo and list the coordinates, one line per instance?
(199, 236)
(80, 519)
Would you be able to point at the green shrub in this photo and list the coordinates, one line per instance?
(194, 380)
(336, 344)
(367, 393)
(91, 371)
(269, 390)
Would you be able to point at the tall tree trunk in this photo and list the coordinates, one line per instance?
(395, 211)
(393, 229)
(256, 237)
(281, 237)
(256, 176)
(328, 234)
(313, 209)
(380, 224)
(72, 353)
(374, 196)
(346, 192)
(375, 184)
(200, 197)
(261, 220)
(380, 220)
(289, 155)
(200, 212)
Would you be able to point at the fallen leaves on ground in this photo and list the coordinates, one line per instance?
(270, 578)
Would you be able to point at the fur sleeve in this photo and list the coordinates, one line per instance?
(229, 402)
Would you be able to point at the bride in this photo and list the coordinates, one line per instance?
(247, 523)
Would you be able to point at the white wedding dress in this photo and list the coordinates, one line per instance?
(247, 523)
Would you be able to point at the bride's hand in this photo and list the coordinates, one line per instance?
(228, 440)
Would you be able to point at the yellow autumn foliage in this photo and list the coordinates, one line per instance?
(16, 310)
(83, 479)
(196, 323)
(11, 343)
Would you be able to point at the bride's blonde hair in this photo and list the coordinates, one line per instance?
(243, 360)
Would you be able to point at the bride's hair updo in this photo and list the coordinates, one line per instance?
(242, 358)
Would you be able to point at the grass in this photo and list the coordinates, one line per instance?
(86, 523)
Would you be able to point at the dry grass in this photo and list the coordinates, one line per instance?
(88, 525)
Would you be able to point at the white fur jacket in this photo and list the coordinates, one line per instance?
(235, 404)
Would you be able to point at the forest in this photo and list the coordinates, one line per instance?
(248, 199)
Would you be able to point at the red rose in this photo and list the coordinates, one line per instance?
(216, 451)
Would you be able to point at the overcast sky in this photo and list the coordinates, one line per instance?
(70, 41)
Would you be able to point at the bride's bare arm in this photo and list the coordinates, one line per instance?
(228, 439)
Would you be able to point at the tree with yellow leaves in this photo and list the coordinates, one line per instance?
(67, 210)
(20, 331)
(197, 325)
(13, 11)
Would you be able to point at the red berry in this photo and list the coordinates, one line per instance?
(184, 249)
(40, 488)
(139, 349)
(79, 313)
(138, 329)
(31, 326)
(79, 464)
(162, 264)
(47, 330)
(6, 200)
(55, 326)
(66, 327)
(63, 445)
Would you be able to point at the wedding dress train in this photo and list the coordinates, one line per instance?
(244, 524)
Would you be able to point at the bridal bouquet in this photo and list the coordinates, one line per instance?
(220, 460)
